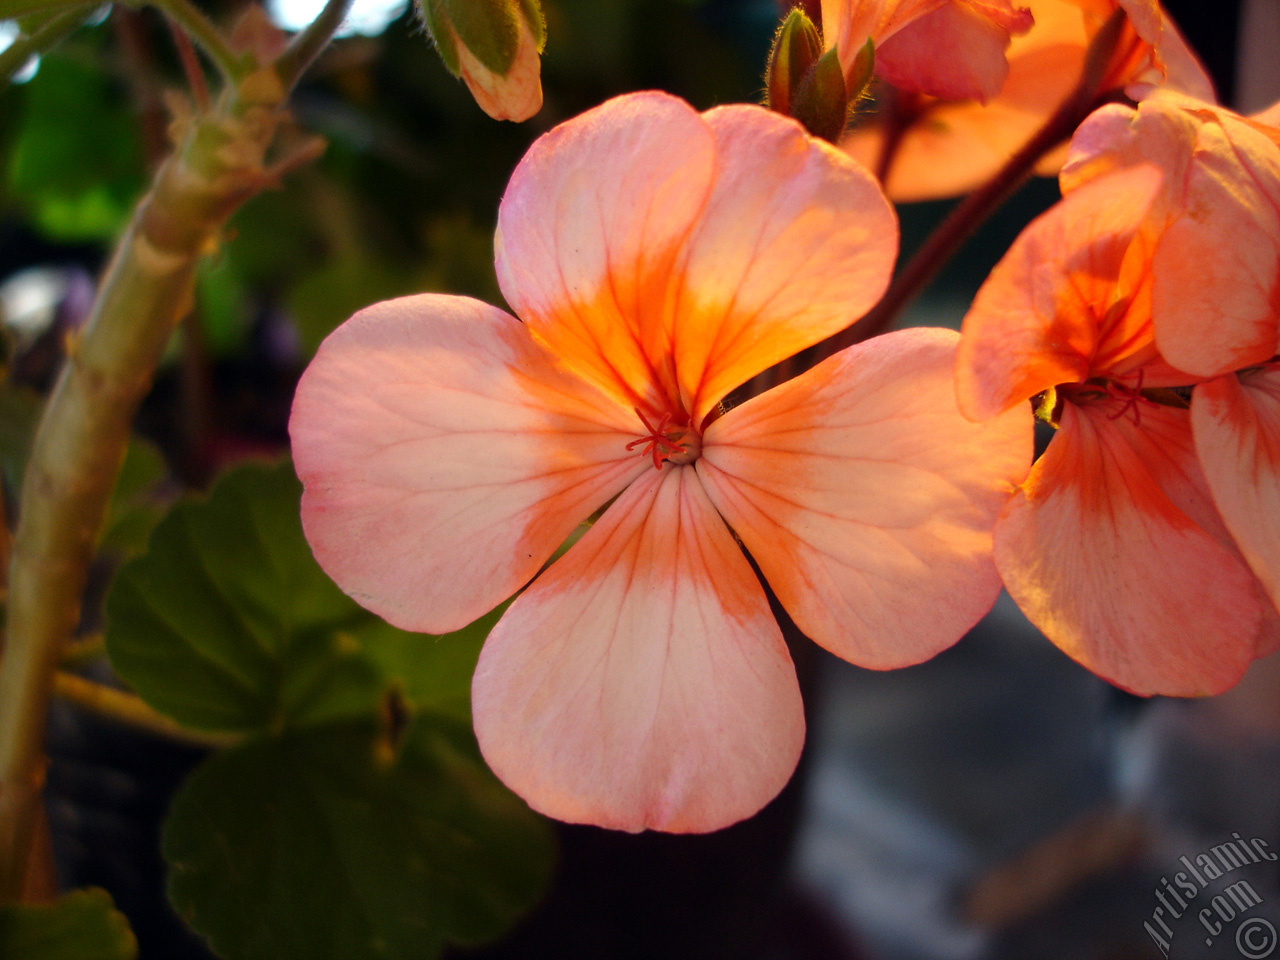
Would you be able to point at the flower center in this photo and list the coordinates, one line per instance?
(670, 439)
(1132, 395)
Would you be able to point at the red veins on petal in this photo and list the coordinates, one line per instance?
(1113, 547)
(656, 259)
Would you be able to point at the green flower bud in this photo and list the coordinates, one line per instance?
(821, 103)
(796, 47)
(493, 45)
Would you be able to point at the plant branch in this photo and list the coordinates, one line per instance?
(14, 57)
(131, 710)
(974, 210)
(207, 36)
(148, 287)
(306, 46)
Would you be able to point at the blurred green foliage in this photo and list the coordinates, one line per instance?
(330, 844)
(358, 819)
(83, 925)
(76, 165)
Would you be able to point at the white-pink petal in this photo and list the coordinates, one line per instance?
(642, 681)
(868, 500)
(445, 455)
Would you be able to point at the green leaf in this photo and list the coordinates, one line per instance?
(431, 673)
(82, 925)
(137, 503)
(223, 306)
(227, 623)
(77, 162)
(431, 13)
(332, 293)
(330, 844)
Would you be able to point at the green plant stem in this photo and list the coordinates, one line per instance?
(306, 46)
(130, 710)
(79, 445)
(974, 210)
(206, 35)
(52, 31)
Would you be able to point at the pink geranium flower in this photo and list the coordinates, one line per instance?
(946, 48)
(1113, 547)
(658, 258)
(1215, 288)
(952, 146)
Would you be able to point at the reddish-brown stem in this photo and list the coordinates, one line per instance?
(191, 66)
(974, 209)
(898, 118)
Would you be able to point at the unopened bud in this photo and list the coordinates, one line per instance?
(821, 103)
(796, 48)
(493, 45)
(859, 74)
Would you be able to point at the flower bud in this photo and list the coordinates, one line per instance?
(493, 45)
(821, 102)
(796, 47)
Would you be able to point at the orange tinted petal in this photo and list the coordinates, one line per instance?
(1065, 303)
(445, 456)
(642, 681)
(847, 24)
(1116, 137)
(1237, 432)
(588, 230)
(796, 242)
(1217, 268)
(956, 52)
(955, 147)
(867, 500)
(1102, 551)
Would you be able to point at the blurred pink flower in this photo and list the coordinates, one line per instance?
(953, 145)
(953, 49)
(1112, 547)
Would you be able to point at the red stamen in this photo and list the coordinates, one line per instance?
(658, 443)
(1131, 396)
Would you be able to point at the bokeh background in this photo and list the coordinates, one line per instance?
(996, 802)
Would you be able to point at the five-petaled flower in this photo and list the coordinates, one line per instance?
(658, 259)
(1113, 547)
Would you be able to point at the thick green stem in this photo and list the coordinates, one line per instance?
(80, 443)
